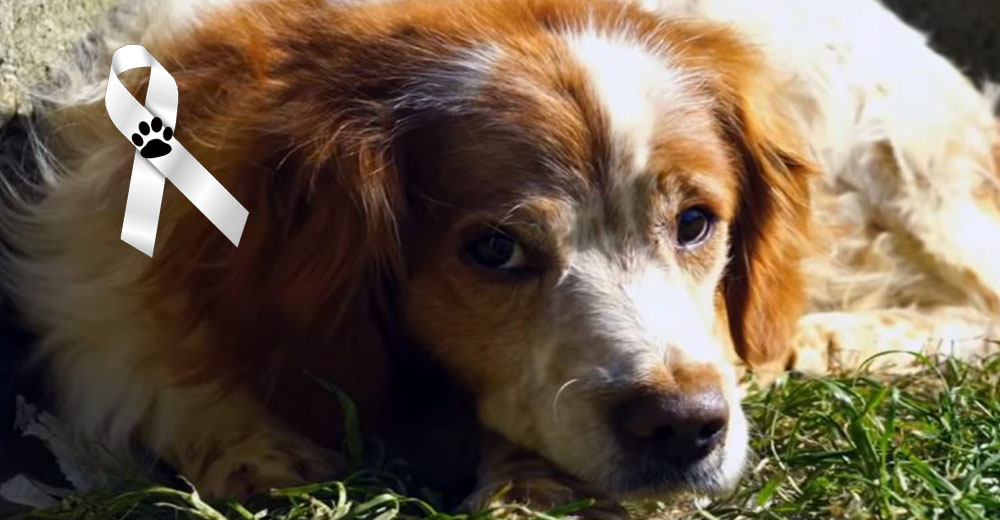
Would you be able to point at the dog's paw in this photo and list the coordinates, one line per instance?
(542, 494)
(153, 147)
(260, 463)
(510, 475)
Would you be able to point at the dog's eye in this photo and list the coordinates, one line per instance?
(496, 251)
(693, 226)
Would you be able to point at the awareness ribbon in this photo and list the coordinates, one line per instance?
(158, 158)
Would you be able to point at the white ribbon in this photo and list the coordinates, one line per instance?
(145, 192)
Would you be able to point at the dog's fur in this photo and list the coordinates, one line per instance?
(854, 183)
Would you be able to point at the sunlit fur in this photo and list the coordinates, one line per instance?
(907, 205)
(856, 197)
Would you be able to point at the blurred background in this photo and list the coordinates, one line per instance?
(967, 31)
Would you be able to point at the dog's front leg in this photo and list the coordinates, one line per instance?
(509, 474)
(228, 445)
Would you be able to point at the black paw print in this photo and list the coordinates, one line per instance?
(155, 147)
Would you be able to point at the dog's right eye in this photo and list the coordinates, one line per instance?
(497, 251)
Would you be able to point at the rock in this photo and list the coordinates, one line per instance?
(35, 35)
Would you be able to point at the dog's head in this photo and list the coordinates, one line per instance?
(579, 210)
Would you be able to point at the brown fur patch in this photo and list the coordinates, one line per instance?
(764, 287)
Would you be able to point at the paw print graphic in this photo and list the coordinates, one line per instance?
(154, 147)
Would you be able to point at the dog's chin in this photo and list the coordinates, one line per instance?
(716, 474)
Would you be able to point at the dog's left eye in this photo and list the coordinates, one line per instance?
(693, 226)
(497, 251)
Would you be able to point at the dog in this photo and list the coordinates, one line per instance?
(581, 222)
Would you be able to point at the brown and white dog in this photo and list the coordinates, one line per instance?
(585, 214)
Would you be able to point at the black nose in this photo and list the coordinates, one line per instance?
(682, 428)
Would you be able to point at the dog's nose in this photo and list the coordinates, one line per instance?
(681, 427)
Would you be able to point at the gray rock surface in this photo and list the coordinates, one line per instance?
(34, 36)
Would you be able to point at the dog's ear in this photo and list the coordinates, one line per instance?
(763, 286)
(310, 155)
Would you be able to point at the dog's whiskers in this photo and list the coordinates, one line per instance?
(555, 400)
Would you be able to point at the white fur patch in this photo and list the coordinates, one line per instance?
(634, 85)
(673, 315)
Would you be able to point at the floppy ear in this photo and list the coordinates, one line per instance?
(307, 289)
(310, 156)
(763, 286)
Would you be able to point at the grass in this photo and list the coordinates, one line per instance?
(924, 446)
